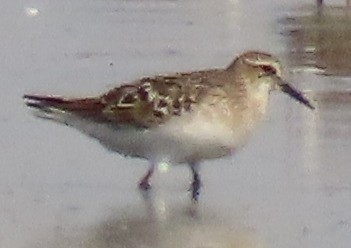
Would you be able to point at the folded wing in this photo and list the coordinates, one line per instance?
(147, 102)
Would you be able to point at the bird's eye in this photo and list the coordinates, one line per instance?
(269, 70)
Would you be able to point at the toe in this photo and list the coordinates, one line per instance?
(144, 185)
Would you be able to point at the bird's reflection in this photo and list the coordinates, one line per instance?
(155, 224)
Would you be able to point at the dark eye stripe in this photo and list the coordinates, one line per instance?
(268, 69)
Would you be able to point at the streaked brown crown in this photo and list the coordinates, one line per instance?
(254, 65)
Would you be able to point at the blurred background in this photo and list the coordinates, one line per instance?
(289, 187)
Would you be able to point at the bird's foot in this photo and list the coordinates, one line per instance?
(145, 181)
(144, 185)
(195, 190)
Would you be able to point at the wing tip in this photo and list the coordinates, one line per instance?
(32, 101)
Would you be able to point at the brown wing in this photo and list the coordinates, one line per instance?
(147, 102)
(153, 100)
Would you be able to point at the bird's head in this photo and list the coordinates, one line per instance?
(264, 71)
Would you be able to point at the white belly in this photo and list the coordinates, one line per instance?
(156, 145)
(183, 139)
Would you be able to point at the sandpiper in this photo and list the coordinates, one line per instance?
(179, 118)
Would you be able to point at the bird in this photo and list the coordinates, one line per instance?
(179, 118)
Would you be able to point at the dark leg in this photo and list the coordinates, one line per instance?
(196, 183)
(319, 3)
(145, 180)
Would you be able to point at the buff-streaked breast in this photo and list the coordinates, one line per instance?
(179, 118)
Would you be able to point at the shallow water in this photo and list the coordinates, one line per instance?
(320, 40)
(289, 187)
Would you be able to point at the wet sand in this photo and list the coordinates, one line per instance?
(289, 187)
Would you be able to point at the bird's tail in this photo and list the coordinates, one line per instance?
(55, 107)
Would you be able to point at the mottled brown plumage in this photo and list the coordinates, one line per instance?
(179, 118)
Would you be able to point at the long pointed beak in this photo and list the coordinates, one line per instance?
(294, 93)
